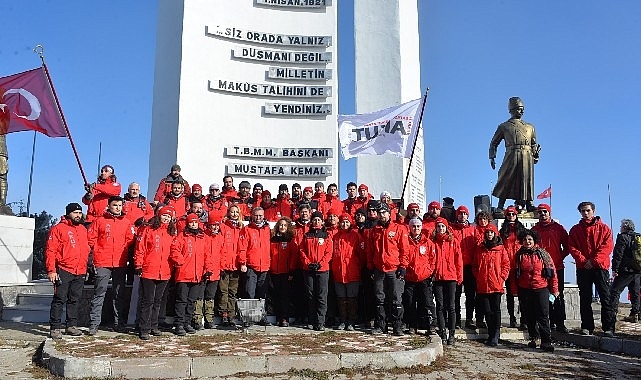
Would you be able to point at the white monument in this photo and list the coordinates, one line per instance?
(388, 73)
(16, 246)
(247, 88)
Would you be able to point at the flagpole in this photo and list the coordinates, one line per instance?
(33, 154)
(550, 195)
(409, 166)
(610, 205)
(39, 49)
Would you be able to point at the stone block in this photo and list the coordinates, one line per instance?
(227, 365)
(405, 359)
(320, 362)
(16, 249)
(364, 359)
(611, 344)
(177, 367)
(632, 348)
(71, 367)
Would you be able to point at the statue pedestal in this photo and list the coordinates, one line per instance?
(16, 249)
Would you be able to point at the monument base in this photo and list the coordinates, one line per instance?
(16, 249)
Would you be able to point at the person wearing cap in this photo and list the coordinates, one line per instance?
(348, 203)
(447, 274)
(332, 221)
(231, 230)
(244, 199)
(308, 194)
(136, 206)
(228, 190)
(447, 211)
(372, 213)
(284, 258)
(190, 253)
(464, 232)
(254, 256)
(319, 191)
(418, 298)
(535, 280)
(386, 197)
(195, 207)
(215, 203)
(331, 201)
(196, 194)
(283, 203)
(387, 259)
(491, 266)
(510, 232)
(554, 239)
(347, 260)
(165, 186)
(110, 237)
(66, 258)
(152, 263)
(257, 197)
(363, 198)
(98, 193)
(315, 254)
(272, 213)
(625, 273)
(413, 212)
(297, 196)
(177, 198)
(590, 244)
(360, 217)
(433, 213)
(204, 305)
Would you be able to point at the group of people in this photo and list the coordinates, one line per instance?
(364, 260)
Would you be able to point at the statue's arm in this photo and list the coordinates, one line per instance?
(536, 147)
(494, 144)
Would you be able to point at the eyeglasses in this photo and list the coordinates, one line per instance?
(543, 211)
(511, 214)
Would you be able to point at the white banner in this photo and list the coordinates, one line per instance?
(392, 130)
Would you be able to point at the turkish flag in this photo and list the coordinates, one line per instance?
(27, 103)
(547, 193)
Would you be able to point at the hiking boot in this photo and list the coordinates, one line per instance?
(156, 332)
(609, 334)
(470, 325)
(512, 321)
(198, 326)
(547, 347)
(451, 339)
(377, 331)
(532, 344)
(92, 331)
(55, 334)
(189, 329)
(397, 331)
(144, 336)
(73, 331)
(120, 328)
(341, 326)
(180, 331)
(481, 324)
(632, 318)
(209, 325)
(349, 327)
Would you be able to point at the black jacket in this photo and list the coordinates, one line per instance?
(622, 254)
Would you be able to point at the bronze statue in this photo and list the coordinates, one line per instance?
(516, 174)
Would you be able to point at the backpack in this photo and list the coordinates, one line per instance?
(635, 262)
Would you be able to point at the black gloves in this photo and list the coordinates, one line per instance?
(314, 267)
(138, 271)
(400, 273)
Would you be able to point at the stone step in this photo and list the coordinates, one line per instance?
(27, 313)
(41, 299)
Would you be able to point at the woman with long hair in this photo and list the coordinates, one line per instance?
(284, 256)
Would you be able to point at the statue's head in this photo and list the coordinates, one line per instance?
(516, 107)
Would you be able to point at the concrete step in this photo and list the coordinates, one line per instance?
(41, 299)
(27, 313)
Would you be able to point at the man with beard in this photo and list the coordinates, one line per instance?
(165, 185)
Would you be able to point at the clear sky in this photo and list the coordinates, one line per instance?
(576, 65)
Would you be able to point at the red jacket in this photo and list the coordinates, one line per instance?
(272, 213)
(449, 261)
(231, 242)
(229, 193)
(284, 206)
(136, 208)
(387, 246)
(245, 205)
(531, 268)
(180, 203)
(428, 225)
(284, 255)
(591, 240)
(330, 203)
(254, 248)
(216, 244)
(491, 268)
(110, 237)
(421, 259)
(554, 239)
(359, 203)
(101, 192)
(67, 248)
(190, 253)
(216, 207)
(464, 233)
(348, 256)
(316, 247)
(511, 244)
(164, 189)
(153, 248)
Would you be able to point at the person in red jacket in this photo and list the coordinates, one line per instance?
(178, 199)
(215, 203)
(66, 262)
(136, 206)
(99, 192)
(535, 279)
(283, 202)
(464, 232)
(386, 197)
(330, 200)
(348, 203)
(315, 253)
(165, 185)
(554, 239)
(491, 268)
(272, 213)
(418, 295)
(190, 253)
(110, 237)
(204, 305)
(510, 232)
(284, 256)
(433, 213)
(347, 260)
(254, 256)
(590, 244)
(363, 198)
(448, 273)
(244, 200)
(387, 250)
(332, 221)
(153, 265)
(231, 229)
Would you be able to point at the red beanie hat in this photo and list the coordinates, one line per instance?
(544, 206)
(441, 220)
(492, 227)
(166, 210)
(412, 206)
(510, 209)
(192, 218)
(462, 209)
(345, 217)
(212, 219)
(434, 204)
(308, 188)
(266, 195)
(196, 186)
(363, 186)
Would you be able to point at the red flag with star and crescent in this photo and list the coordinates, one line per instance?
(27, 103)
(547, 193)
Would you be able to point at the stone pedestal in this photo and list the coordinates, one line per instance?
(16, 249)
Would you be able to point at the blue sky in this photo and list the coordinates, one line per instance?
(574, 63)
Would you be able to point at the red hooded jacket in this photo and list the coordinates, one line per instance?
(254, 248)
(464, 233)
(216, 207)
(67, 248)
(421, 259)
(216, 246)
(101, 192)
(531, 269)
(136, 208)
(348, 257)
(284, 254)
(591, 240)
(190, 252)
(152, 254)
(554, 239)
(387, 247)
(231, 233)
(449, 261)
(316, 247)
(491, 268)
(110, 237)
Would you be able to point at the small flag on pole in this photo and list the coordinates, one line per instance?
(27, 103)
(547, 193)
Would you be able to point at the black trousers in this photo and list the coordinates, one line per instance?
(152, 291)
(469, 287)
(316, 288)
(489, 304)
(601, 280)
(537, 312)
(68, 292)
(186, 295)
(621, 281)
(389, 290)
(557, 309)
(255, 284)
(280, 295)
(417, 299)
(444, 293)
